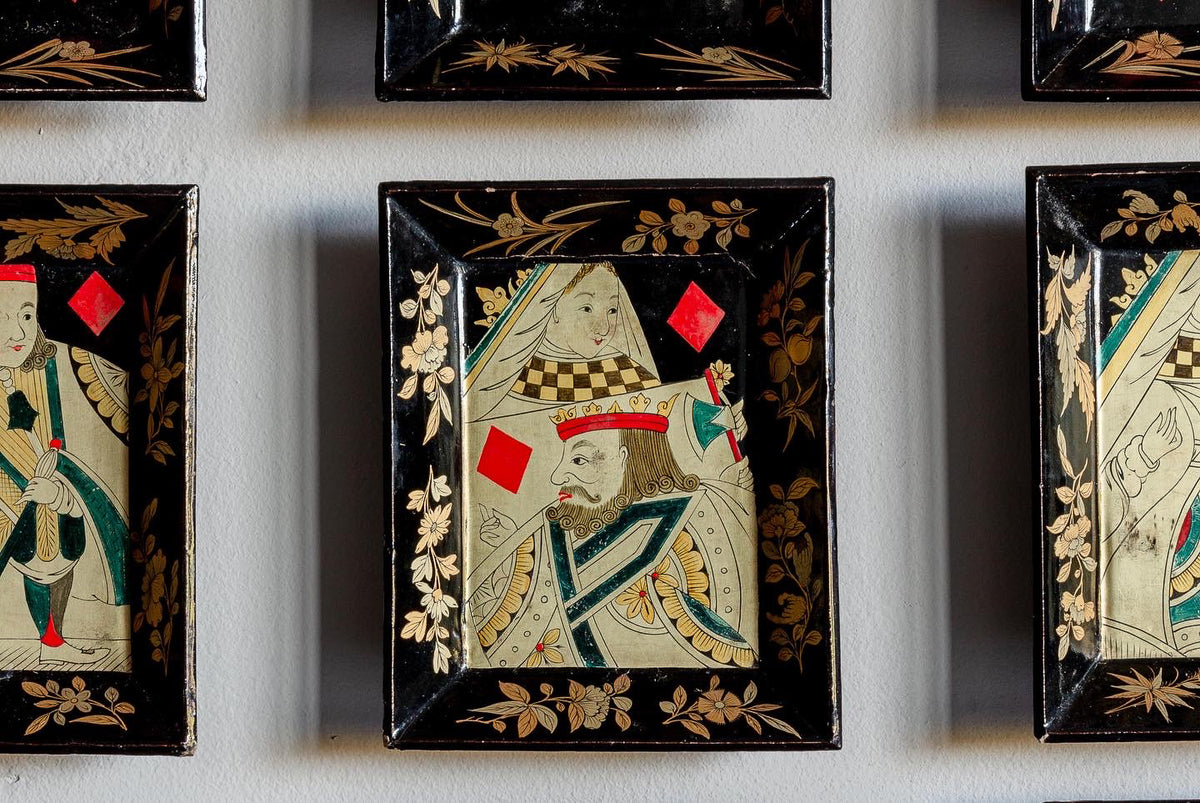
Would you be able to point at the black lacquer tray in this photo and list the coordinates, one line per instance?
(1094, 50)
(672, 619)
(102, 50)
(613, 49)
(1115, 297)
(97, 636)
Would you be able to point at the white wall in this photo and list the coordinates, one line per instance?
(927, 139)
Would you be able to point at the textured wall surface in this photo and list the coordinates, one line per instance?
(927, 139)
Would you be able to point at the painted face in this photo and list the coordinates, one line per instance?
(18, 322)
(585, 319)
(592, 468)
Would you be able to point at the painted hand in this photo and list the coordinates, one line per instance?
(1162, 436)
(739, 474)
(41, 490)
(496, 527)
(739, 421)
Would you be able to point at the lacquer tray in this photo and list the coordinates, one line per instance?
(1092, 50)
(611, 439)
(1115, 302)
(437, 50)
(97, 467)
(102, 50)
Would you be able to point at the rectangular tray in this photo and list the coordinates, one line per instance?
(111, 381)
(611, 49)
(1114, 274)
(102, 50)
(658, 312)
(1094, 50)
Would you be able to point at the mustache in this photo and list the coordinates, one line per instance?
(577, 491)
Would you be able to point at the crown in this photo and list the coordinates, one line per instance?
(593, 417)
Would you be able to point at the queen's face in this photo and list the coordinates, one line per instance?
(585, 319)
(591, 469)
(18, 322)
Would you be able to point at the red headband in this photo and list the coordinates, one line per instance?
(648, 421)
(17, 273)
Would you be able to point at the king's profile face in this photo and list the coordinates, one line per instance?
(585, 319)
(18, 322)
(592, 468)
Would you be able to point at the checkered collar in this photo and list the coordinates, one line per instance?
(560, 381)
(1183, 360)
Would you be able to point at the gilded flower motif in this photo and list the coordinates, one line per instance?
(722, 374)
(636, 600)
(427, 352)
(1078, 609)
(593, 702)
(156, 373)
(154, 588)
(779, 521)
(435, 603)
(719, 706)
(508, 225)
(1159, 45)
(1074, 540)
(546, 650)
(434, 526)
(691, 225)
(717, 55)
(76, 51)
(771, 304)
(72, 700)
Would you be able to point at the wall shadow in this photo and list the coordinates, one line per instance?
(987, 476)
(978, 53)
(351, 564)
(342, 60)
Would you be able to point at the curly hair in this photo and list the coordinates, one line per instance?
(42, 351)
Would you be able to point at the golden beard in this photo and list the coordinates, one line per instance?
(650, 470)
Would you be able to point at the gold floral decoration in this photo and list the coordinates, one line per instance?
(59, 236)
(690, 226)
(1135, 280)
(426, 355)
(159, 371)
(75, 698)
(1144, 210)
(430, 569)
(495, 299)
(564, 58)
(1066, 320)
(585, 706)
(724, 64)
(1153, 54)
(160, 592)
(789, 335)
(716, 706)
(546, 650)
(1055, 5)
(788, 548)
(519, 229)
(1151, 691)
(72, 62)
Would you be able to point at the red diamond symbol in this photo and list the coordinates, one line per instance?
(96, 303)
(504, 460)
(696, 317)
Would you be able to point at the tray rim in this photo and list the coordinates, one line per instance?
(394, 733)
(1062, 703)
(822, 89)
